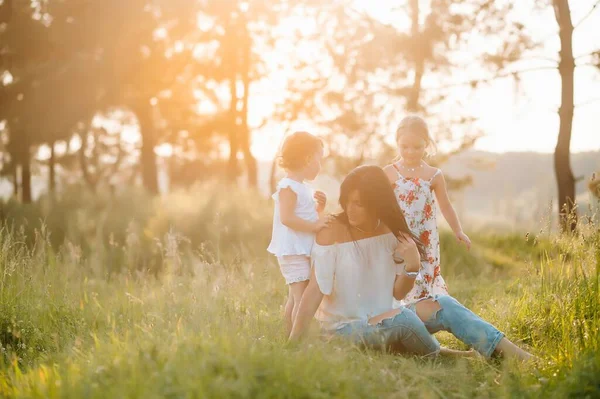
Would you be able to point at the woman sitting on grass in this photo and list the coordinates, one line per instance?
(368, 257)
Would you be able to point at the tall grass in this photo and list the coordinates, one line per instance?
(175, 297)
(560, 314)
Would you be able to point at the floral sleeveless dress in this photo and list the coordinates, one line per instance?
(417, 201)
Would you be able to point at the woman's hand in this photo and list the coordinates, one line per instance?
(462, 237)
(407, 248)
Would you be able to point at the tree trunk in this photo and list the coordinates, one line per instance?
(245, 138)
(272, 182)
(562, 153)
(148, 161)
(21, 158)
(231, 63)
(251, 166)
(83, 163)
(232, 167)
(26, 197)
(15, 177)
(6, 10)
(52, 169)
(25, 161)
(412, 103)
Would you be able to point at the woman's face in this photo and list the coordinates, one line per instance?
(357, 213)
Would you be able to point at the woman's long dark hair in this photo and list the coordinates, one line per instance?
(377, 196)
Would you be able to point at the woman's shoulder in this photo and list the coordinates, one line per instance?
(336, 232)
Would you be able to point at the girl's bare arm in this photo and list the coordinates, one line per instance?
(441, 193)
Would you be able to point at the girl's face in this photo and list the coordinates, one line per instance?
(356, 212)
(312, 169)
(412, 147)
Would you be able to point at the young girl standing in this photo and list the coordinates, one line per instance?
(297, 218)
(415, 183)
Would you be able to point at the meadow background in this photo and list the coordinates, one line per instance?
(134, 296)
(138, 145)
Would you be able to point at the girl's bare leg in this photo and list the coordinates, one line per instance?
(289, 308)
(296, 290)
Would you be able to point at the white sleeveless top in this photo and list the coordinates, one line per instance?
(357, 279)
(285, 241)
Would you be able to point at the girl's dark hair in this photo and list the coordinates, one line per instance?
(297, 149)
(377, 196)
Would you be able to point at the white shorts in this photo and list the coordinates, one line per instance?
(295, 268)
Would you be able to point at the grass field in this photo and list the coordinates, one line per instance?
(176, 297)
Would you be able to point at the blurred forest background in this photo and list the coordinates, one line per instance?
(108, 95)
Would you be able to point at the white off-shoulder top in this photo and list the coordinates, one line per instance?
(357, 279)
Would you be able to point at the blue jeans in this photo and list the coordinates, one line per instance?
(463, 324)
(404, 333)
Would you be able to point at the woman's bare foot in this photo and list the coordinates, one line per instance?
(509, 350)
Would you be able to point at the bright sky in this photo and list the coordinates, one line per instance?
(512, 121)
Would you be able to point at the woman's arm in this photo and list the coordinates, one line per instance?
(441, 193)
(311, 299)
(402, 286)
(287, 206)
(407, 248)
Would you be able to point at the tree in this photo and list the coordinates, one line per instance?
(566, 67)
(141, 53)
(50, 89)
(100, 155)
(370, 73)
(151, 55)
(246, 33)
(363, 54)
(594, 186)
(152, 48)
(28, 60)
(562, 161)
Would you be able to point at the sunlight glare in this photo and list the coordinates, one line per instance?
(7, 78)
(160, 33)
(204, 22)
(164, 150)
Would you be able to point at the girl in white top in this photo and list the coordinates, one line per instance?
(296, 218)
